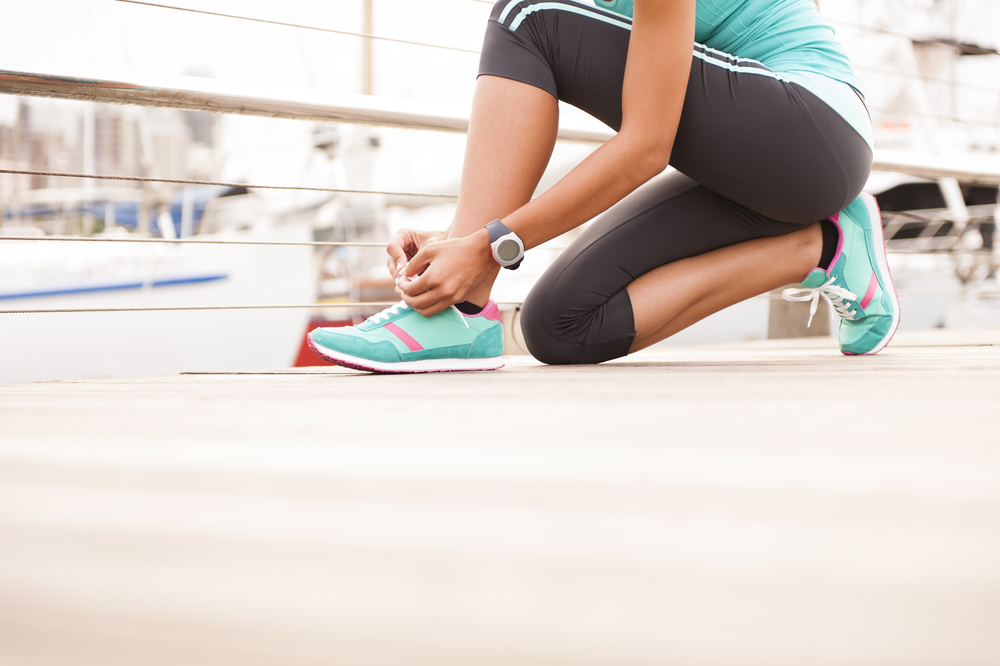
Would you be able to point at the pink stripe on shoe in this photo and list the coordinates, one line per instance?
(490, 311)
(407, 339)
(870, 294)
(835, 219)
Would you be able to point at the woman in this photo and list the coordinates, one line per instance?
(752, 101)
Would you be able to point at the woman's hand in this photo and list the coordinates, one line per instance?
(405, 244)
(443, 271)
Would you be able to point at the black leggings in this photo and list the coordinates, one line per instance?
(756, 156)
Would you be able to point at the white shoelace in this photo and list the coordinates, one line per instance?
(388, 312)
(833, 294)
(394, 310)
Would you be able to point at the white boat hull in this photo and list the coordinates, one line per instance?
(36, 347)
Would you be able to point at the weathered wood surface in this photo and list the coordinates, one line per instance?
(767, 503)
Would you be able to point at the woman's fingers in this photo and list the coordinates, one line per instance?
(430, 292)
(404, 245)
(430, 302)
(393, 268)
(425, 303)
(397, 250)
(442, 273)
(418, 262)
(425, 289)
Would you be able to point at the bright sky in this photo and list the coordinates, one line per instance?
(153, 40)
(105, 34)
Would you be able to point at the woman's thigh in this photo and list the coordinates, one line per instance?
(765, 143)
(579, 310)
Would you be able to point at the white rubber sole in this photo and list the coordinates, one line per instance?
(430, 365)
(877, 238)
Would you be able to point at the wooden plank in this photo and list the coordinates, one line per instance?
(773, 503)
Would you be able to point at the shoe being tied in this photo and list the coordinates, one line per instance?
(399, 339)
(857, 283)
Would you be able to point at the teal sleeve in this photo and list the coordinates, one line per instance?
(623, 7)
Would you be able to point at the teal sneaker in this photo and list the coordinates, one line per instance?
(399, 339)
(857, 285)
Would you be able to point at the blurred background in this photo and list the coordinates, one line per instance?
(929, 68)
(722, 508)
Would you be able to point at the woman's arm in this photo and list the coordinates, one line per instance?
(656, 76)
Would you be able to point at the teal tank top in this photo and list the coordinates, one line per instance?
(787, 36)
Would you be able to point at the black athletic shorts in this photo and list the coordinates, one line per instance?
(756, 156)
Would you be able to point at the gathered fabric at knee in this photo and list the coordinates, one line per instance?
(760, 156)
(579, 311)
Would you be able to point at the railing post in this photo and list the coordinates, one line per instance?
(513, 340)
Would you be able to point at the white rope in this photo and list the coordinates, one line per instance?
(198, 308)
(957, 291)
(301, 27)
(189, 241)
(195, 241)
(316, 306)
(914, 75)
(937, 116)
(182, 181)
(912, 38)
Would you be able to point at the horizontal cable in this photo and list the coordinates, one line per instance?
(195, 241)
(402, 41)
(941, 218)
(181, 181)
(192, 308)
(895, 33)
(551, 248)
(188, 241)
(892, 250)
(912, 75)
(938, 116)
(183, 308)
(944, 291)
(302, 27)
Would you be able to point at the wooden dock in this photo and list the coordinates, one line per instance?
(769, 503)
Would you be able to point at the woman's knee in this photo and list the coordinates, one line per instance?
(544, 346)
(561, 330)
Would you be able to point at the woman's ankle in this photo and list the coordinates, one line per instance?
(811, 248)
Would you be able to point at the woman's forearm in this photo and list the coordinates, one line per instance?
(606, 177)
(655, 82)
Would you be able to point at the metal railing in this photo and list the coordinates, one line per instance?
(209, 95)
(197, 94)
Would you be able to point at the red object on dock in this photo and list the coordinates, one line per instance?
(306, 358)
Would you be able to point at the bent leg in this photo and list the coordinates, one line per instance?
(670, 298)
(652, 265)
(769, 155)
(752, 135)
(511, 135)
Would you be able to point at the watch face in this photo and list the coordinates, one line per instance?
(508, 250)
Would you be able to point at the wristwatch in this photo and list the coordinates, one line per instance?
(507, 248)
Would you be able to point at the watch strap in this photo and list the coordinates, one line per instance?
(497, 230)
